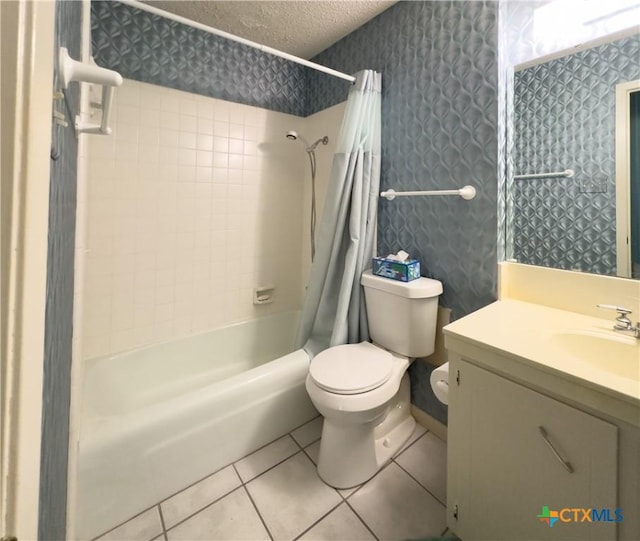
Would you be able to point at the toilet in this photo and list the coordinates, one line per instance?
(362, 390)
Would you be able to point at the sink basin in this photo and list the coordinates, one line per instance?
(610, 352)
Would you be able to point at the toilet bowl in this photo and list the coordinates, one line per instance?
(362, 390)
(362, 430)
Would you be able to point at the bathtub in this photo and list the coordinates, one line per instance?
(160, 418)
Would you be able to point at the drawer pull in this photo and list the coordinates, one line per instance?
(565, 463)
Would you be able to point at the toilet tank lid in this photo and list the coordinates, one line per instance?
(415, 289)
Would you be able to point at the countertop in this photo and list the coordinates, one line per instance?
(526, 332)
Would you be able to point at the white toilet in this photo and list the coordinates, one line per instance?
(362, 390)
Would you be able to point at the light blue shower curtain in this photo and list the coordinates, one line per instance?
(333, 311)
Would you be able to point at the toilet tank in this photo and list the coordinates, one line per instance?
(402, 315)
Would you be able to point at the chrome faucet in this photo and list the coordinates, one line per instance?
(623, 324)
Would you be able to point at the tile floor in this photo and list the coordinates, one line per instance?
(276, 494)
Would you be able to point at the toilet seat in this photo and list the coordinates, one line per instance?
(351, 368)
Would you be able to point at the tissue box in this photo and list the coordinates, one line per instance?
(404, 271)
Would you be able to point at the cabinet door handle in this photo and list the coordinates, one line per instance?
(567, 465)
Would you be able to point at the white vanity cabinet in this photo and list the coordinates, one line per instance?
(513, 450)
(515, 378)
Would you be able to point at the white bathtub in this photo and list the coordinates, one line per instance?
(160, 418)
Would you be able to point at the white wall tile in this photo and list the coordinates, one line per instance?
(205, 108)
(169, 120)
(221, 129)
(236, 131)
(187, 190)
(204, 126)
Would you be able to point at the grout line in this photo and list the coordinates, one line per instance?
(309, 456)
(258, 512)
(97, 538)
(268, 469)
(424, 487)
(305, 423)
(194, 483)
(161, 517)
(299, 446)
(203, 508)
(311, 442)
(233, 465)
(354, 489)
(393, 458)
(319, 520)
(265, 445)
(164, 528)
(444, 532)
(362, 520)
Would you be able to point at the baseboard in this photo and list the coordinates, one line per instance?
(430, 423)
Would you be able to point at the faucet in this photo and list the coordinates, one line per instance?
(623, 324)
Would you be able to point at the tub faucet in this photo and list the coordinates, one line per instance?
(623, 324)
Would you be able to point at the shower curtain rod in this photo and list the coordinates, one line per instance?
(238, 39)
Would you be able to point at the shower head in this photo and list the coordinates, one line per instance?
(324, 140)
(294, 136)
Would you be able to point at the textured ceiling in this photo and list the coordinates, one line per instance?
(298, 27)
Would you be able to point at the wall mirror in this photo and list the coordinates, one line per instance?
(573, 188)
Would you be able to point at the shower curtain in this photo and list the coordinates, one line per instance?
(334, 311)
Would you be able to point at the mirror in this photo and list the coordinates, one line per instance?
(577, 111)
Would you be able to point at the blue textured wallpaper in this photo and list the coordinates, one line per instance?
(152, 49)
(564, 115)
(439, 64)
(59, 305)
(439, 131)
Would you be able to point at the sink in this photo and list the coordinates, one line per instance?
(614, 353)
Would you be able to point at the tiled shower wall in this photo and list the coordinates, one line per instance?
(192, 202)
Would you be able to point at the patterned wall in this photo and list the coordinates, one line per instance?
(439, 123)
(439, 130)
(152, 49)
(59, 305)
(565, 119)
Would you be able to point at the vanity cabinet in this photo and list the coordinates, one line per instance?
(513, 450)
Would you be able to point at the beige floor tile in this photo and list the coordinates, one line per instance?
(291, 497)
(309, 432)
(396, 507)
(265, 458)
(426, 460)
(229, 519)
(144, 527)
(342, 523)
(194, 498)
(313, 451)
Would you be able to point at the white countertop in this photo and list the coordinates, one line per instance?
(526, 333)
